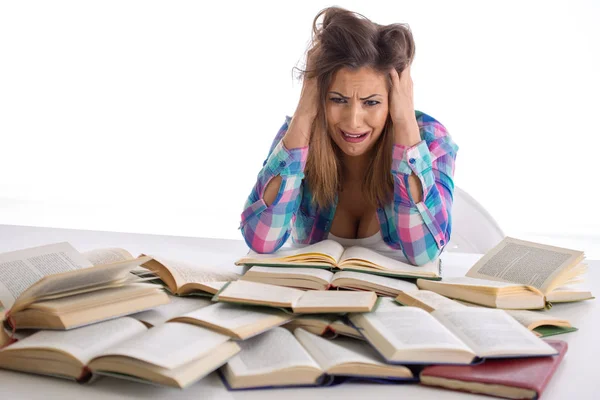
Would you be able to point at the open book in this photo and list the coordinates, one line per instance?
(298, 301)
(539, 323)
(278, 358)
(56, 287)
(454, 336)
(184, 278)
(329, 326)
(329, 254)
(319, 279)
(172, 354)
(518, 275)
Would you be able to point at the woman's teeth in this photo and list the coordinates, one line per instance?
(354, 138)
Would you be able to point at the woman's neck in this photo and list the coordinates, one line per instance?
(354, 168)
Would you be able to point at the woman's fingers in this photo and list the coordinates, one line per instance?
(395, 77)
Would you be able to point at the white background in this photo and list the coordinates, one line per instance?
(155, 117)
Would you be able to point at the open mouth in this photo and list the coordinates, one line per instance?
(354, 137)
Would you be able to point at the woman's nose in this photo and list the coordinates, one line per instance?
(354, 116)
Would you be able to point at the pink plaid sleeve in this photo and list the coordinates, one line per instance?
(424, 228)
(266, 229)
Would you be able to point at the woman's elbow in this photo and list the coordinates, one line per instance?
(259, 244)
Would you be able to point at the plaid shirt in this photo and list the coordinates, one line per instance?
(419, 230)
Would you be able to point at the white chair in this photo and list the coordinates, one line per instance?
(474, 230)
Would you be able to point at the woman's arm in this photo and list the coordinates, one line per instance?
(423, 222)
(268, 212)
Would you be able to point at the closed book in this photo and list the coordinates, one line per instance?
(523, 378)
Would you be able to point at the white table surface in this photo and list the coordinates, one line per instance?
(576, 377)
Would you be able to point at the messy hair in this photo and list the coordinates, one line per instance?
(345, 39)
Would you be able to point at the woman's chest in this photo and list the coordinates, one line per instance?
(354, 217)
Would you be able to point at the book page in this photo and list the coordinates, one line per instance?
(22, 268)
(178, 306)
(107, 256)
(358, 255)
(169, 345)
(232, 317)
(330, 248)
(184, 272)
(86, 342)
(329, 353)
(261, 292)
(531, 318)
(411, 327)
(391, 283)
(524, 262)
(271, 351)
(491, 332)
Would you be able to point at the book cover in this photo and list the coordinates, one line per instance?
(524, 377)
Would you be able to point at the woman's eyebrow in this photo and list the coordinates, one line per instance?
(363, 98)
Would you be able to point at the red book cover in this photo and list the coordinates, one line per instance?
(522, 378)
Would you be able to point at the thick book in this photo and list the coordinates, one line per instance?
(329, 326)
(517, 274)
(410, 335)
(295, 300)
(540, 323)
(320, 279)
(511, 379)
(172, 354)
(329, 254)
(56, 287)
(280, 358)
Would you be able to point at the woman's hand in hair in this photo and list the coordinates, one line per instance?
(299, 131)
(309, 98)
(402, 109)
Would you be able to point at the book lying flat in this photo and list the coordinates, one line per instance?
(447, 336)
(329, 254)
(236, 321)
(329, 326)
(541, 324)
(511, 379)
(35, 284)
(517, 274)
(172, 354)
(295, 300)
(278, 358)
(319, 279)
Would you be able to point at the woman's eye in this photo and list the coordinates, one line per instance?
(339, 100)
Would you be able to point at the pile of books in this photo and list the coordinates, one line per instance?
(314, 316)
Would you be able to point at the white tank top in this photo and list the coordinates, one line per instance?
(375, 243)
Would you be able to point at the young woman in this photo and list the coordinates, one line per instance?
(356, 163)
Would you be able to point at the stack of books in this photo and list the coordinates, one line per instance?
(314, 316)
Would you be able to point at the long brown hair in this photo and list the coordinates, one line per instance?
(348, 39)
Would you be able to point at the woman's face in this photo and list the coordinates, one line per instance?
(356, 109)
